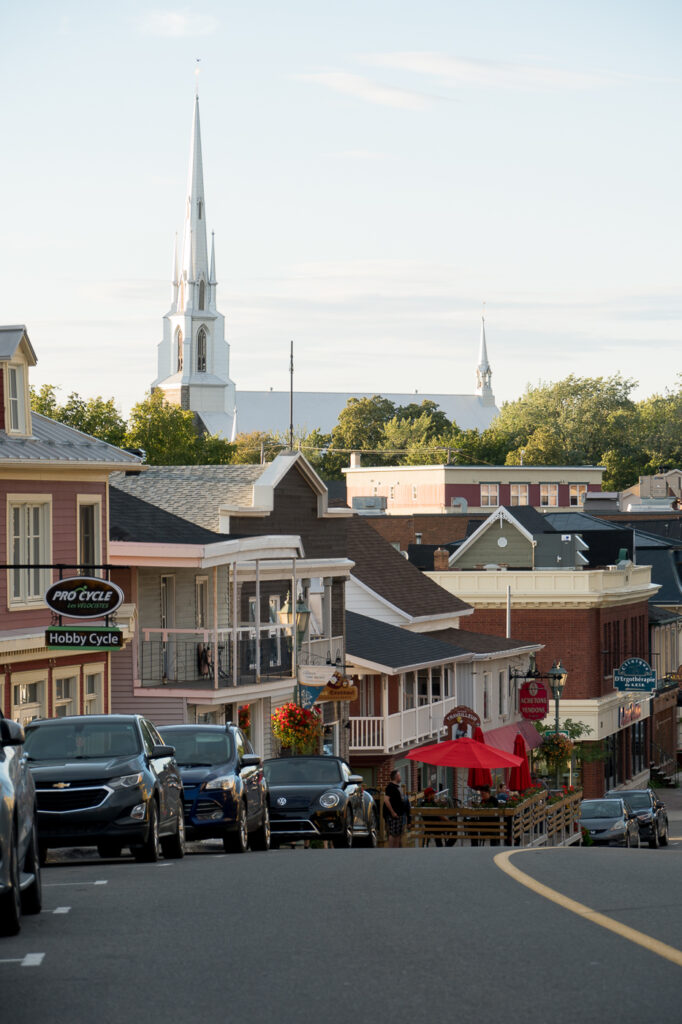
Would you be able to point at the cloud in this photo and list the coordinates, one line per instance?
(357, 154)
(177, 24)
(365, 89)
(501, 74)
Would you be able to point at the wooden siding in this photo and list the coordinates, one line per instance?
(518, 553)
(159, 710)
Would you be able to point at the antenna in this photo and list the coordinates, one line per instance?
(291, 398)
(196, 76)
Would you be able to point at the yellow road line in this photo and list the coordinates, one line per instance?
(502, 860)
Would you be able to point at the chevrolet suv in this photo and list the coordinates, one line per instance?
(107, 781)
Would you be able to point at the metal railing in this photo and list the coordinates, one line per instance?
(169, 657)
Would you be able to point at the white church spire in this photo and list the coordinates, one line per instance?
(194, 246)
(484, 371)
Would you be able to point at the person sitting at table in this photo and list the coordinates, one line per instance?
(487, 801)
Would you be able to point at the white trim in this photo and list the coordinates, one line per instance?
(82, 500)
(498, 515)
(45, 502)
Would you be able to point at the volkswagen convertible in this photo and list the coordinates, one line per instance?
(319, 798)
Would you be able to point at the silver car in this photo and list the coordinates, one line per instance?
(20, 886)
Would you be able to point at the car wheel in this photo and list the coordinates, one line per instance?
(109, 849)
(654, 842)
(664, 837)
(150, 851)
(238, 841)
(32, 897)
(173, 847)
(345, 841)
(260, 840)
(10, 901)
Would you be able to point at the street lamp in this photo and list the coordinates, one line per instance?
(301, 615)
(557, 676)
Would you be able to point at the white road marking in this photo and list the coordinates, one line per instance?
(61, 910)
(166, 864)
(55, 885)
(33, 960)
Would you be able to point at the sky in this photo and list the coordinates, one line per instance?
(375, 171)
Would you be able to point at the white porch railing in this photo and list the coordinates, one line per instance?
(414, 725)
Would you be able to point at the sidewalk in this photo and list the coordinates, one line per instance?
(672, 798)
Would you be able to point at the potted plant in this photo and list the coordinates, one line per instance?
(297, 729)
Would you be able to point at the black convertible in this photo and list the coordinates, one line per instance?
(319, 798)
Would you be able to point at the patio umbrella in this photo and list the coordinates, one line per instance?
(519, 778)
(464, 753)
(479, 777)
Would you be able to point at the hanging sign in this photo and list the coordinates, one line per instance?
(629, 713)
(330, 682)
(83, 597)
(534, 700)
(93, 638)
(635, 674)
(458, 720)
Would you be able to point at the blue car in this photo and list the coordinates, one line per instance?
(225, 792)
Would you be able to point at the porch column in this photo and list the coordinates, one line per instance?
(257, 621)
(294, 638)
(215, 627)
(327, 608)
(235, 625)
(430, 698)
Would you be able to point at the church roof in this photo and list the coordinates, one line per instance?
(268, 411)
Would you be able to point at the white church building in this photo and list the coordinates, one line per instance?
(194, 355)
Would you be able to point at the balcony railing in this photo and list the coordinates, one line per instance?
(382, 734)
(188, 658)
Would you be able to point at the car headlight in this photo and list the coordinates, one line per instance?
(127, 781)
(222, 782)
(618, 826)
(329, 799)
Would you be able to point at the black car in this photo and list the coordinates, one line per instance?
(650, 813)
(107, 781)
(20, 887)
(610, 822)
(225, 792)
(319, 798)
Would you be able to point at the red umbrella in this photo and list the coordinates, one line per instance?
(479, 777)
(519, 778)
(464, 753)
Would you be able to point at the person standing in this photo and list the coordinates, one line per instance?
(394, 810)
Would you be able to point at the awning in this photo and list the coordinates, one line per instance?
(504, 737)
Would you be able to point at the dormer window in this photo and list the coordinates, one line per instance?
(17, 400)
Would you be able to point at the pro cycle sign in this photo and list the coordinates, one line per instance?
(83, 597)
(91, 638)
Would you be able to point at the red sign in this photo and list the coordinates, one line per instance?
(534, 700)
(459, 719)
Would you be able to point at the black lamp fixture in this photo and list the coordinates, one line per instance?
(302, 613)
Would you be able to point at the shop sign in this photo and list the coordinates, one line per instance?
(93, 638)
(459, 720)
(83, 597)
(328, 682)
(534, 700)
(635, 674)
(629, 713)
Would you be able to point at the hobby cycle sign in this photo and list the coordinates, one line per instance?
(83, 597)
(90, 638)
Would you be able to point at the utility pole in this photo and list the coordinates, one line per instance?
(291, 398)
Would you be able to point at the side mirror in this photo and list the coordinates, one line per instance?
(11, 733)
(356, 779)
(250, 761)
(162, 750)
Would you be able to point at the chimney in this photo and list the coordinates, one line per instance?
(441, 560)
(355, 459)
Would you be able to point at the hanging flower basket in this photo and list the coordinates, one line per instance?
(297, 728)
(556, 749)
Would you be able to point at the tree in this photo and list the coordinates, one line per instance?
(660, 435)
(97, 417)
(254, 446)
(360, 426)
(168, 435)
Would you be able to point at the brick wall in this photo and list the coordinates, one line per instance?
(435, 529)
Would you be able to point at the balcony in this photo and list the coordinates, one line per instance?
(377, 735)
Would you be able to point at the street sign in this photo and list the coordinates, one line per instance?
(83, 597)
(635, 674)
(92, 638)
(534, 700)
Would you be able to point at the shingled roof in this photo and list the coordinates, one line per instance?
(132, 519)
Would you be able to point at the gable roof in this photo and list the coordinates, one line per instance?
(11, 338)
(54, 442)
(392, 649)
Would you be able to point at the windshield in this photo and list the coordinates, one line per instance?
(61, 741)
(302, 771)
(199, 748)
(637, 801)
(601, 809)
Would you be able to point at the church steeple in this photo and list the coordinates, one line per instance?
(194, 262)
(484, 371)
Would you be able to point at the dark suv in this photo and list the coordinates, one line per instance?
(225, 792)
(650, 813)
(107, 781)
(20, 888)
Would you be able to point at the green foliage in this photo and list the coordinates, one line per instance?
(168, 435)
(98, 417)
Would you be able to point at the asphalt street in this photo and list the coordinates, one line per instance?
(369, 935)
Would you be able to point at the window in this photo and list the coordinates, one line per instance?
(201, 601)
(65, 696)
(549, 495)
(486, 696)
(391, 492)
(490, 494)
(17, 400)
(577, 494)
(274, 635)
(92, 703)
(501, 693)
(201, 350)
(422, 688)
(518, 494)
(414, 492)
(202, 295)
(27, 701)
(178, 341)
(29, 542)
(89, 534)
(408, 691)
(436, 684)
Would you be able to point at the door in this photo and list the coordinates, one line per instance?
(161, 768)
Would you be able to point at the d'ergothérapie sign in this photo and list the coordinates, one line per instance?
(83, 597)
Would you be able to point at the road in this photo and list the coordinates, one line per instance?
(360, 935)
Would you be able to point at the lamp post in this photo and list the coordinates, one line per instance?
(557, 676)
(298, 619)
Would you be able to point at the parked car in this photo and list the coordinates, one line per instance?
(20, 885)
(610, 822)
(107, 781)
(225, 792)
(319, 798)
(650, 813)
